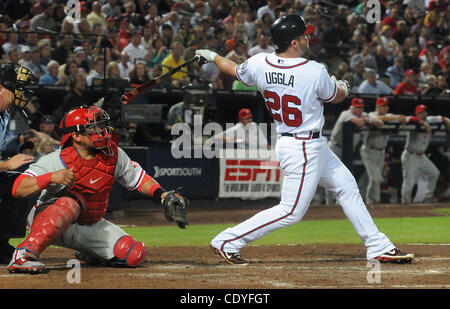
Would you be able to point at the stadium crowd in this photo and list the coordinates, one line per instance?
(407, 52)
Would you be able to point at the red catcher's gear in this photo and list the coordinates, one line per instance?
(94, 181)
(129, 252)
(92, 120)
(50, 224)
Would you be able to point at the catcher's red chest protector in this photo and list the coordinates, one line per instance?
(94, 180)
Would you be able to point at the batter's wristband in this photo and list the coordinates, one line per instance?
(43, 181)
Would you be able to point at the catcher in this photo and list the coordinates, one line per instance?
(75, 182)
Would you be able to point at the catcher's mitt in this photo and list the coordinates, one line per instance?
(175, 208)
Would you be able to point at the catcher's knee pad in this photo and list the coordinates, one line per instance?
(129, 252)
(51, 223)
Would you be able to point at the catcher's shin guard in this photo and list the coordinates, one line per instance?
(50, 224)
(129, 252)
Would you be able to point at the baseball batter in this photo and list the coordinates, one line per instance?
(414, 160)
(373, 149)
(76, 181)
(295, 90)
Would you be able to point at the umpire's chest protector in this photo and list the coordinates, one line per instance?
(94, 180)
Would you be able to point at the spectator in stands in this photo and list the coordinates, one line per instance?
(199, 13)
(64, 49)
(48, 125)
(366, 56)
(45, 50)
(51, 77)
(262, 46)
(76, 96)
(68, 69)
(408, 86)
(13, 56)
(174, 59)
(386, 39)
(26, 56)
(96, 16)
(401, 32)
(373, 86)
(422, 76)
(134, 49)
(442, 84)
(333, 38)
(35, 65)
(341, 70)
(45, 147)
(411, 60)
(139, 74)
(111, 9)
(125, 65)
(269, 8)
(383, 61)
(395, 72)
(44, 20)
(431, 88)
(113, 70)
(81, 59)
(97, 71)
(358, 72)
(12, 42)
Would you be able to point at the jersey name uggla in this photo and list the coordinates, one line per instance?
(279, 78)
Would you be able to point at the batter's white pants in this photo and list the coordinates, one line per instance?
(306, 164)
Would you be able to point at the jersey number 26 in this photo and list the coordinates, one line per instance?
(290, 116)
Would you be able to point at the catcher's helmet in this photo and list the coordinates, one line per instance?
(287, 28)
(91, 120)
(16, 78)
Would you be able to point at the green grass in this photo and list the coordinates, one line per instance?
(399, 230)
(442, 210)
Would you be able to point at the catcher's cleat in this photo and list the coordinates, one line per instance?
(25, 261)
(231, 258)
(396, 256)
(89, 260)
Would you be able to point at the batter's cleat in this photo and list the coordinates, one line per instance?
(25, 261)
(231, 258)
(396, 256)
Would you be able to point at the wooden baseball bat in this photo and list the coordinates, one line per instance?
(146, 87)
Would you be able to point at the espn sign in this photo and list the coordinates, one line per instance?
(249, 170)
(249, 178)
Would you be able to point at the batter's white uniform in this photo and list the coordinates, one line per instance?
(295, 90)
(99, 238)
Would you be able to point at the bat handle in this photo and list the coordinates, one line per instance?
(126, 97)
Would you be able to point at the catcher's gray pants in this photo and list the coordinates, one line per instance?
(97, 239)
(412, 164)
(373, 161)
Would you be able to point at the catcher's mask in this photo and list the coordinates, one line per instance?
(91, 120)
(17, 79)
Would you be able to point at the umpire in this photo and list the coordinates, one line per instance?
(13, 212)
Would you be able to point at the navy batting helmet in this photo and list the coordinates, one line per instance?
(287, 28)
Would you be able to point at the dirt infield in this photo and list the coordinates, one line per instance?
(272, 267)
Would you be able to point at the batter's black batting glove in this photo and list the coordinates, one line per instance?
(175, 208)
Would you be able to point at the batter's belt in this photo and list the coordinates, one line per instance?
(312, 135)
